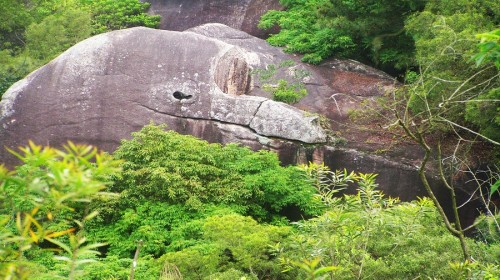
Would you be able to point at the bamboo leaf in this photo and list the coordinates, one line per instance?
(324, 270)
(91, 215)
(60, 233)
(34, 237)
(60, 244)
(494, 187)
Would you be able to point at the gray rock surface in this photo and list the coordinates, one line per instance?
(201, 82)
(111, 84)
(244, 15)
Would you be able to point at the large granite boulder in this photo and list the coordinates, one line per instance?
(203, 82)
(106, 86)
(179, 15)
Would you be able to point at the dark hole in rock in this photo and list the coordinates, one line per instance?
(181, 95)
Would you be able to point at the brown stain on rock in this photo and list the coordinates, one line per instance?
(232, 74)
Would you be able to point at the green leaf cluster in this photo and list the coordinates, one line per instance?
(285, 92)
(113, 15)
(286, 87)
(166, 166)
(489, 48)
(370, 236)
(43, 202)
(177, 181)
(56, 33)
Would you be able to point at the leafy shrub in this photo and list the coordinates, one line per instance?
(57, 32)
(232, 245)
(43, 202)
(370, 236)
(169, 167)
(171, 183)
(284, 92)
(367, 235)
(113, 15)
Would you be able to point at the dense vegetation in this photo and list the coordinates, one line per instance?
(34, 32)
(206, 211)
(370, 31)
(383, 33)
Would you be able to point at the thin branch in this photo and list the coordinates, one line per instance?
(470, 130)
(468, 80)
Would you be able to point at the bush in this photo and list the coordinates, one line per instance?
(110, 15)
(286, 93)
(44, 204)
(172, 168)
(171, 183)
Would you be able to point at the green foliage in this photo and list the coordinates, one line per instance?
(232, 244)
(489, 48)
(114, 268)
(284, 92)
(13, 68)
(231, 274)
(195, 262)
(171, 183)
(371, 237)
(484, 112)
(161, 226)
(328, 183)
(244, 242)
(110, 267)
(43, 201)
(166, 166)
(488, 229)
(112, 15)
(45, 204)
(310, 270)
(450, 89)
(475, 270)
(449, 36)
(15, 18)
(57, 32)
(370, 31)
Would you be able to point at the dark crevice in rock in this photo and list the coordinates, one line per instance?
(256, 111)
(181, 95)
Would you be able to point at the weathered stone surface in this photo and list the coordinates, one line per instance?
(273, 118)
(244, 15)
(201, 82)
(110, 85)
(232, 73)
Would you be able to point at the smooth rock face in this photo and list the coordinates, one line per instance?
(112, 84)
(200, 82)
(244, 15)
